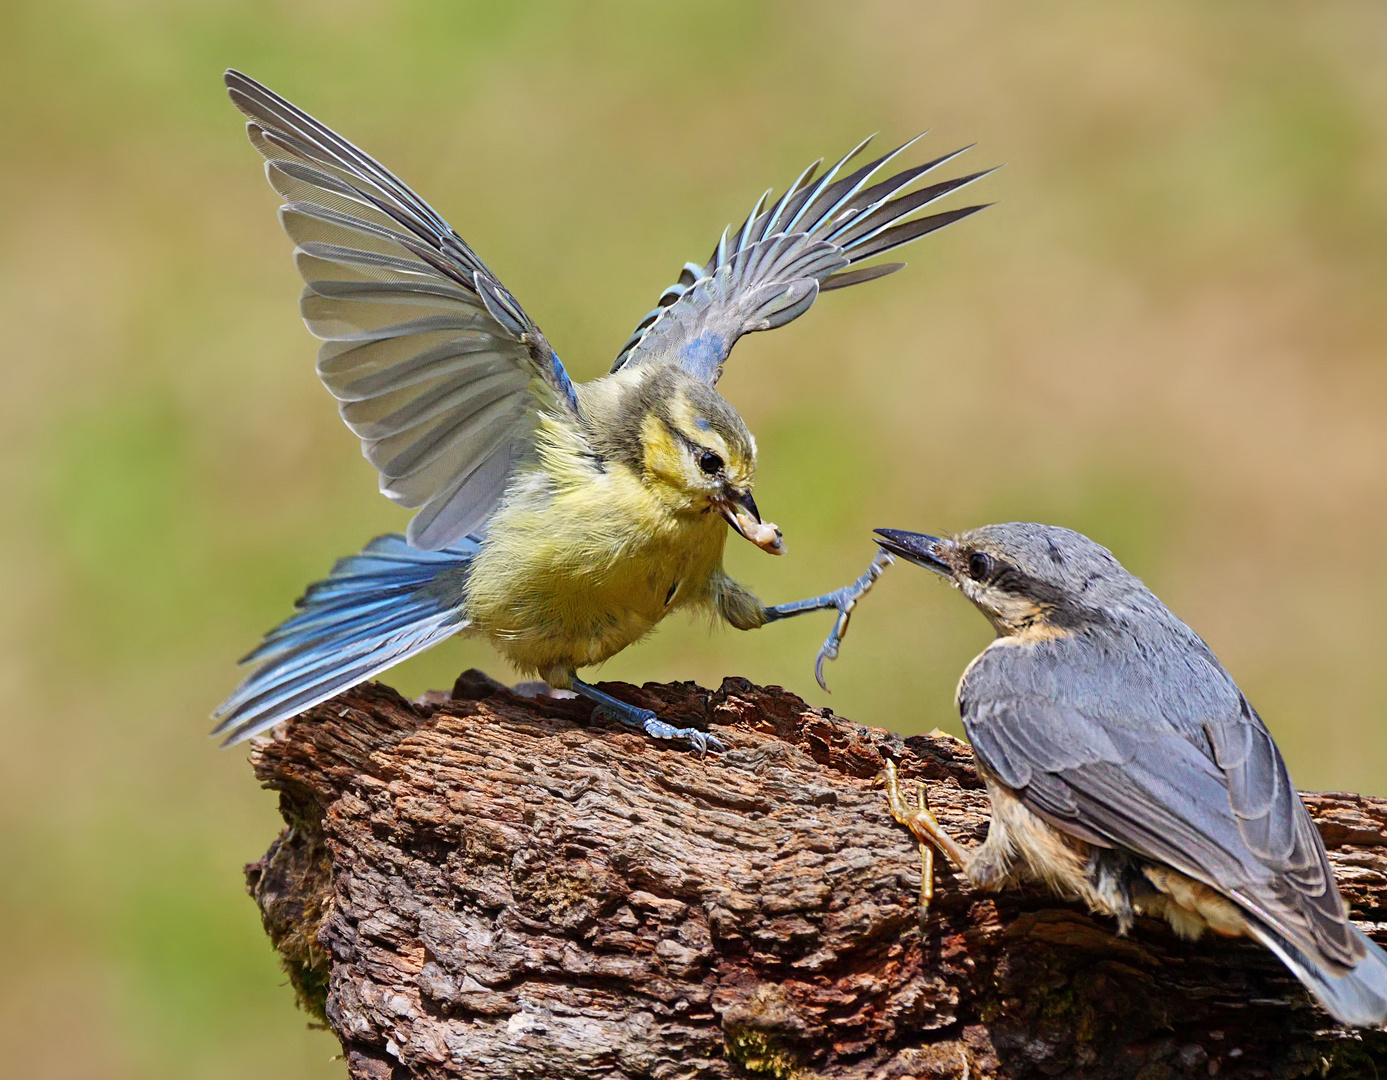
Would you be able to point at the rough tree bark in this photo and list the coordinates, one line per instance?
(489, 885)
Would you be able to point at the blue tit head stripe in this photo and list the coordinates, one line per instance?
(695, 416)
(1111, 720)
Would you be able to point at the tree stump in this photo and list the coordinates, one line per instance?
(490, 885)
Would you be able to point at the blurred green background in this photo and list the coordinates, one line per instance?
(1168, 333)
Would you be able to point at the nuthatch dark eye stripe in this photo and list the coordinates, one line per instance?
(1126, 768)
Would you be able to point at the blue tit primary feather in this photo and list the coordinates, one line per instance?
(1125, 767)
(559, 521)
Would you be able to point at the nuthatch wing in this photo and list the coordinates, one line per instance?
(1126, 769)
(559, 521)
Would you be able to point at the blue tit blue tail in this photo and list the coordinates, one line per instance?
(1358, 997)
(377, 608)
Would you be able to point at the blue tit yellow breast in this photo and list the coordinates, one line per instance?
(571, 573)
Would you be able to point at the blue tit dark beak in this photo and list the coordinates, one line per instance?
(920, 548)
(739, 508)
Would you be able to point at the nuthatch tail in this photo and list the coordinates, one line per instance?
(561, 522)
(1125, 767)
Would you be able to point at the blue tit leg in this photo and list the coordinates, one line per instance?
(844, 600)
(645, 720)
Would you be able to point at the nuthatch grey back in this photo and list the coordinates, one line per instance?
(1125, 767)
(559, 521)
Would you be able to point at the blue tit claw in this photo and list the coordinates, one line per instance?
(846, 599)
(701, 741)
(633, 716)
(652, 725)
(829, 651)
(843, 601)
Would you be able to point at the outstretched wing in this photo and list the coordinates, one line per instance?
(435, 365)
(1189, 779)
(784, 255)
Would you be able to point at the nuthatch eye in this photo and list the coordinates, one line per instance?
(1125, 767)
(561, 522)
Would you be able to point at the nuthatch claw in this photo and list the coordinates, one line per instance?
(921, 821)
(926, 862)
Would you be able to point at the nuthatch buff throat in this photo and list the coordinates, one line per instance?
(1125, 767)
(559, 521)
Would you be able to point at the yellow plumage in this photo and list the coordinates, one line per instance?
(583, 559)
(559, 521)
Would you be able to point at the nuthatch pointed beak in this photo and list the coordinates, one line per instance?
(739, 508)
(922, 549)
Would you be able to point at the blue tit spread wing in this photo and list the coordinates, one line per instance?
(1161, 757)
(771, 269)
(436, 367)
(377, 608)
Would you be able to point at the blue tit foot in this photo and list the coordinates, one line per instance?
(633, 716)
(656, 728)
(843, 601)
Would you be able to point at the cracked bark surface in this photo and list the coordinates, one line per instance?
(488, 885)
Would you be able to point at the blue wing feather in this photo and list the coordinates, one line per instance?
(377, 608)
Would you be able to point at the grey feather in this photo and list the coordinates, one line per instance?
(438, 370)
(771, 269)
(858, 276)
(1357, 997)
(1109, 760)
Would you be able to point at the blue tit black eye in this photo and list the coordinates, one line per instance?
(710, 462)
(979, 566)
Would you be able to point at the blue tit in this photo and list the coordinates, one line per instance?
(1126, 769)
(559, 521)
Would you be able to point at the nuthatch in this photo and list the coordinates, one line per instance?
(1125, 767)
(561, 522)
